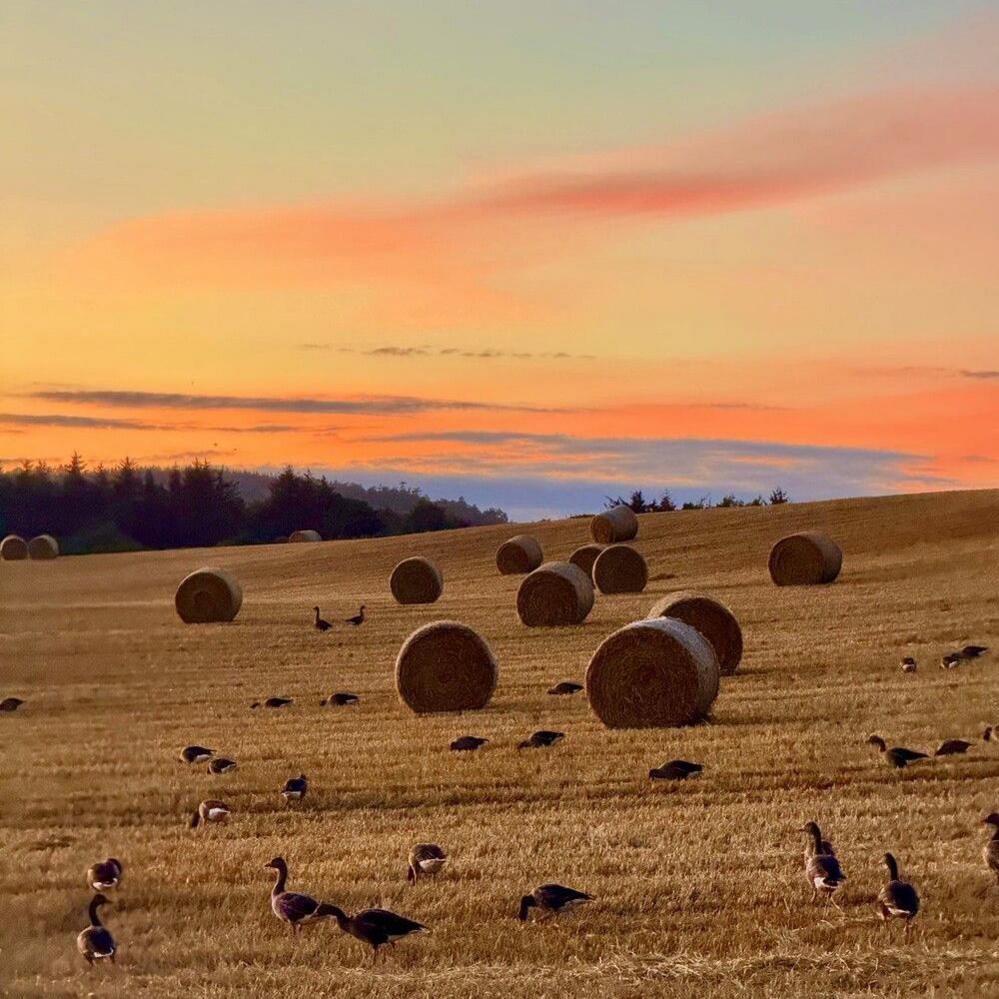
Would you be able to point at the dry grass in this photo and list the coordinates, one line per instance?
(699, 885)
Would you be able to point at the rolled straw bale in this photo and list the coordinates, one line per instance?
(416, 581)
(208, 595)
(445, 666)
(711, 618)
(519, 555)
(43, 547)
(805, 559)
(281, 539)
(620, 569)
(556, 593)
(300, 536)
(652, 674)
(13, 548)
(585, 555)
(614, 525)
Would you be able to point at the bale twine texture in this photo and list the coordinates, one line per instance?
(620, 569)
(554, 595)
(416, 581)
(805, 559)
(712, 619)
(208, 595)
(614, 525)
(519, 555)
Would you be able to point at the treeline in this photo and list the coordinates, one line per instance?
(665, 503)
(127, 508)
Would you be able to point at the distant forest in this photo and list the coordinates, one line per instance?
(128, 508)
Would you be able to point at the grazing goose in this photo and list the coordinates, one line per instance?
(339, 700)
(566, 687)
(319, 624)
(898, 899)
(909, 665)
(991, 849)
(210, 810)
(295, 789)
(221, 765)
(822, 869)
(974, 651)
(10, 703)
(272, 702)
(675, 770)
(293, 908)
(107, 875)
(425, 858)
(951, 661)
(467, 744)
(95, 943)
(196, 754)
(357, 620)
(552, 900)
(897, 756)
(541, 740)
(951, 747)
(376, 927)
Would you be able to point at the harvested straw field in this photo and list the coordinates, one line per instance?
(699, 885)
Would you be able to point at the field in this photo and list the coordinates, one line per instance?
(699, 885)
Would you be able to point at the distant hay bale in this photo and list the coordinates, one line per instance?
(416, 581)
(43, 547)
(584, 557)
(13, 548)
(554, 595)
(281, 539)
(297, 537)
(805, 559)
(519, 555)
(652, 674)
(208, 595)
(614, 525)
(620, 569)
(712, 619)
(445, 666)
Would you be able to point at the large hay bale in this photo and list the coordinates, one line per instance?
(585, 555)
(519, 555)
(445, 666)
(416, 581)
(620, 569)
(712, 619)
(614, 525)
(805, 559)
(13, 548)
(208, 595)
(43, 547)
(297, 537)
(652, 674)
(556, 594)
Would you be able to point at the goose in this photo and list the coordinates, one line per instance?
(376, 927)
(295, 788)
(987, 734)
(675, 770)
(319, 624)
(897, 756)
(974, 651)
(105, 875)
(210, 810)
(990, 852)
(951, 661)
(898, 899)
(425, 858)
(273, 702)
(552, 900)
(95, 943)
(952, 747)
(566, 687)
(196, 754)
(909, 665)
(339, 700)
(292, 907)
(10, 703)
(357, 619)
(221, 765)
(542, 740)
(822, 869)
(467, 744)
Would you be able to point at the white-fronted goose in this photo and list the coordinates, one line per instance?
(467, 744)
(340, 700)
(292, 907)
(10, 703)
(425, 858)
(376, 927)
(319, 624)
(295, 789)
(95, 943)
(675, 770)
(106, 875)
(990, 852)
(952, 747)
(897, 756)
(196, 754)
(210, 810)
(552, 900)
(898, 899)
(357, 620)
(221, 765)
(542, 740)
(565, 687)
(822, 868)
(909, 665)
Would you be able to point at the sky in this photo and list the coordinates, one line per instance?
(531, 253)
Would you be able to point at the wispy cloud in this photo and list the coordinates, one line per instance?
(64, 420)
(980, 374)
(482, 353)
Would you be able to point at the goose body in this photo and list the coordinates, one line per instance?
(896, 756)
(542, 740)
(565, 687)
(95, 943)
(196, 754)
(951, 661)
(467, 744)
(340, 700)
(210, 810)
(357, 620)
(822, 868)
(293, 907)
(105, 875)
(425, 858)
(952, 747)
(277, 702)
(675, 770)
(295, 788)
(376, 927)
(909, 665)
(319, 624)
(221, 765)
(974, 651)
(898, 899)
(10, 703)
(990, 852)
(552, 900)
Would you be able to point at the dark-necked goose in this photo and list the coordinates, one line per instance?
(990, 852)
(952, 747)
(909, 665)
(565, 687)
(551, 900)
(95, 943)
(376, 927)
(221, 765)
(898, 899)
(339, 700)
(425, 858)
(295, 788)
(822, 868)
(10, 703)
(357, 620)
(210, 810)
(106, 875)
(897, 756)
(292, 907)
(467, 744)
(542, 740)
(196, 754)
(675, 770)
(319, 624)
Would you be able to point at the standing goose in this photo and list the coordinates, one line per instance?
(339, 700)
(106, 875)
(822, 869)
(909, 665)
(898, 899)
(95, 943)
(542, 740)
(292, 907)
(196, 754)
(552, 900)
(10, 703)
(221, 765)
(952, 747)
(990, 852)
(425, 858)
(376, 927)
(467, 744)
(565, 687)
(210, 810)
(295, 789)
(319, 624)
(897, 756)
(675, 770)
(357, 620)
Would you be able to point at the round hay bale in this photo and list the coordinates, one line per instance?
(208, 595)
(416, 581)
(805, 559)
(13, 548)
(299, 536)
(712, 619)
(614, 525)
(585, 556)
(43, 547)
(281, 539)
(620, 569)
(445, 666)
(519, 555)
(554, 595)
(652, 674)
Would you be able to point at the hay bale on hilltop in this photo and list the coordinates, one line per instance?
(584, 557)
(207, 596)
(652, 674)
(13, 548)
(620, 569)
(805, 559)
(554, 595)
(43, 547)
(712, 619)
(445, 666)
(519, 555)
(614, 525)
(416, 581)
(298, 537)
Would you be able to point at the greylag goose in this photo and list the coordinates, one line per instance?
(675, 770)
(467, 744)
(196, 754)
(822, 869)
(898, 899)
(95, 943)
(552, 900)
(376, 927)
(292, 907)
(319, 624)
(542, 740)
(106, 875)
(897, 756)
(425, 858)
(295, 789)
(210, 810)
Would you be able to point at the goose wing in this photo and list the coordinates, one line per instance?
(824, 868)
(293, 906)
(900, 898)
(384, 924)
(559, 896)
